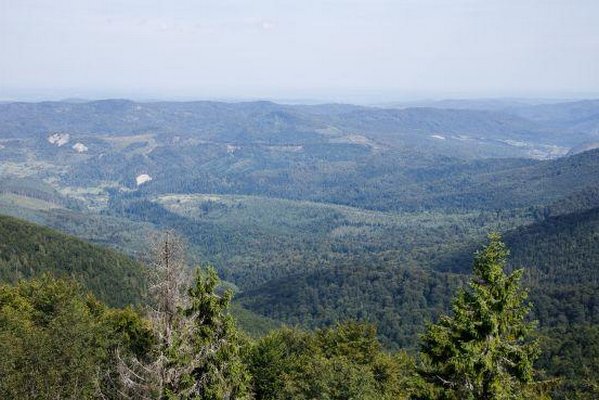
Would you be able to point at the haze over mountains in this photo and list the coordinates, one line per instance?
(546, 123)
(314, 214)
(262, 200)
(281, 196)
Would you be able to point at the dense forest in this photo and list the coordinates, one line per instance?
(120, 352)
(184, 344)
(277, 200)
(28, 250)
(330, 224)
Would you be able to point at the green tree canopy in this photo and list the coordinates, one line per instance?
(342, 362)
(218, 372)
(484, 350)
(57, 341)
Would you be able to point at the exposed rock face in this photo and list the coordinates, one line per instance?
(80, 147)
(143, 178)
(59, 139)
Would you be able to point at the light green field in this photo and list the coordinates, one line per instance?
(28, 168)
(121, 142)
(15, 200)
(289, 215)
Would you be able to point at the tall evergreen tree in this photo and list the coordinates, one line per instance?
(484, 350)
(218, 372)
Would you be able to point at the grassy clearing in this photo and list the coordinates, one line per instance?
(10, 200)
(120, 143)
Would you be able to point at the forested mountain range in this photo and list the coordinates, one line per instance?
(321, 213)
(559, 254)
(572, 115)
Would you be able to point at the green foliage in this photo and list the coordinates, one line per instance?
(57, 341)
(398, 300)
(28, 250)
(318, 214)
(484, 350)
(344, 362)
(251, 323)
(35, 189)
(326, 246)
(562, 253)
(571, 354)
(218, 372)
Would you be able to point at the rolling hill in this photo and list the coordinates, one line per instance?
(317, 213)
(27, 250)
(560, 256)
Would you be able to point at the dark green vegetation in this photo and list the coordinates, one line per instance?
(316, 215)
(28, 250)
(188, 346)
(341, 362)
(571, 353)
(57, 341)
(484, 350)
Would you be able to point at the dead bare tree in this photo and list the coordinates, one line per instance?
(196, 350)
(168, 279)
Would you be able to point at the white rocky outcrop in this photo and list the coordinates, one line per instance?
(80, 147)
(143, 178)
(59, 139)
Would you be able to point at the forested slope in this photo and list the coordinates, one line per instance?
(560, 255)
(28, 250)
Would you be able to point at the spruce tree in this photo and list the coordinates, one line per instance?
(218, 371)
(484, 350)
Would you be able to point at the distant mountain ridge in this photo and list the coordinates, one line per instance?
(316, 212)
(205, 119)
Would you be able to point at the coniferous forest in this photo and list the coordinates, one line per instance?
(183, 340)
(299, 200)
(343, 266)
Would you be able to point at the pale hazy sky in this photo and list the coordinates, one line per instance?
(327, 49)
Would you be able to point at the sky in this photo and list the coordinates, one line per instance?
(340, 50)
